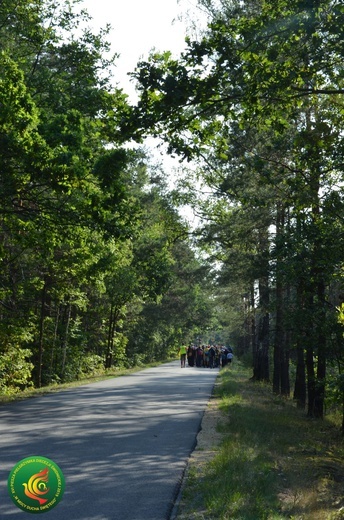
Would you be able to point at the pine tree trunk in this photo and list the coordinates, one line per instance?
(264, 326)
(57, 319)
(310, 380)
(265, 375)
(285, 381)
(65, 340)
(279, 318)
(300, 388)
(41, 335)
(300, 392)
(321, 365)
(108, 360)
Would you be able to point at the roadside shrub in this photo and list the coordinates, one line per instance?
(91, 364)
(82, 365)
(15, 370)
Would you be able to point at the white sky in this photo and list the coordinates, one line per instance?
(140, 25)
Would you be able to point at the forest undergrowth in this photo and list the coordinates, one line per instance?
(273, 462)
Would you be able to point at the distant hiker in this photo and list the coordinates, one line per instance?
(182, 353)
(199, 357)
(206, 357)
(211, 356)
(224, 360)
(229, 357)
(191, 356)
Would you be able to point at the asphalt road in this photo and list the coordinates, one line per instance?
(122, 444)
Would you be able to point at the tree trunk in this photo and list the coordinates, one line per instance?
(280, 383)
(265, 344)
(65, 340)
(108, 359)
(300, 392)
(321, 366)
(57, 318)
(253, 328)
(41, 335)
(285, 380)
(264, 320)
(300, 388)
(278, 347)
(262, 340)
(310, 380)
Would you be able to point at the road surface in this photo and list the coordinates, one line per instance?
(122, 444)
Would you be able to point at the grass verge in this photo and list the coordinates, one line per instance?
(272, 464)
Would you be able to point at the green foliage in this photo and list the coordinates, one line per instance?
(335, 390)
(86, 239)
(184, 309)
(257, 105)
(119, 354)
(15, 369)
(90, 364)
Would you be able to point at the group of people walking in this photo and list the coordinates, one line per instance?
(207, 356)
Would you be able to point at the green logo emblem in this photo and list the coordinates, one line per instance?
(36, 484)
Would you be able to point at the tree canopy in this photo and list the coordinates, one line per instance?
(88, 239)
(256, 103)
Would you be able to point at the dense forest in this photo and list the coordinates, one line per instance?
(98, 268)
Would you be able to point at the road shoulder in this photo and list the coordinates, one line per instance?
(208, 440)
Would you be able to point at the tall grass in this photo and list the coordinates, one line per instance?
(273, 463)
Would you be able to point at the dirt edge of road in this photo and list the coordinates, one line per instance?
(207, 442)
